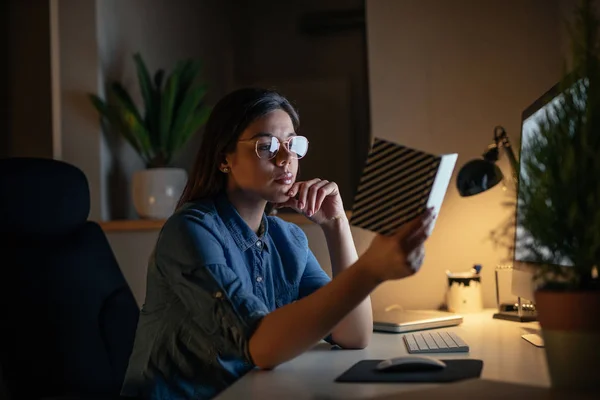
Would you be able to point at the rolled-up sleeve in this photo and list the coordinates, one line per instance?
(191, 258)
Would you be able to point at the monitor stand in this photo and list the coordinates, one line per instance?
(509, 313)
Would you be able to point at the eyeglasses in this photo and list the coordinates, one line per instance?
(268, 147)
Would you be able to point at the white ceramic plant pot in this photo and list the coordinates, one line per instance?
(155, 191)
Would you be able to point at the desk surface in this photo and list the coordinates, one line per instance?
(506, 356)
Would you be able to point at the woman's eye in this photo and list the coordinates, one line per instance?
(264, 147)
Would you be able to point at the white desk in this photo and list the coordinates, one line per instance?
(506, 356)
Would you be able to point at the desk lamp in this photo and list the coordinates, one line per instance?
(479, 175)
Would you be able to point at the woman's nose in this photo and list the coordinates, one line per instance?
(283, 156)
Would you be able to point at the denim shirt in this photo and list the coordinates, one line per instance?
(210, 281)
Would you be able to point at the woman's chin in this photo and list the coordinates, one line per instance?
(278, 196)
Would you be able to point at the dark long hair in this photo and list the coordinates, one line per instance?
(229, 118)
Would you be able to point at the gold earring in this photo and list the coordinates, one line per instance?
(225, 169)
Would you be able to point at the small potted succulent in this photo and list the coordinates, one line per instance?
(174, 109)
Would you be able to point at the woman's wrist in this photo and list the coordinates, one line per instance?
(370, 275)
(335, 224)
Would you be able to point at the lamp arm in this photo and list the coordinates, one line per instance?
(502, 140)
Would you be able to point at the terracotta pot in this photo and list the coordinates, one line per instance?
(570, 324)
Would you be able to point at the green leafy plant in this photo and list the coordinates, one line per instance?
(172, 112)
(559, 186)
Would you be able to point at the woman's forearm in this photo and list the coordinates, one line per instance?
(356, 328)
(290, 330)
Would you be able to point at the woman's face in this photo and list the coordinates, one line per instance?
(263, 178)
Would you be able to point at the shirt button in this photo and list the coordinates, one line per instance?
(218, 295)
(259, 279)
(259, 244)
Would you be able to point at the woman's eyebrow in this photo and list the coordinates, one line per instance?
(266, 134)
(261, 134)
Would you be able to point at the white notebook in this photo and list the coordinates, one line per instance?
(399, 183)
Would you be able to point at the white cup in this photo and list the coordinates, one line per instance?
(464, 294)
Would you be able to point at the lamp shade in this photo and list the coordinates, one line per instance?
(477, 176)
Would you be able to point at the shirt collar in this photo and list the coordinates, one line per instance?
(243, 236)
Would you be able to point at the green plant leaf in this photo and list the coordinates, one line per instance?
(125, 101)
(190, 73)
(188, 77)
(172, 111)
(158, 79)
(151, 99)
(124, 123)
(137, 135)
(166, 112)
(99, 104)
(198, 120)
(189, 108)
(136, 127)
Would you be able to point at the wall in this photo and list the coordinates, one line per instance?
(132, 251)
(4, 80)
(26, 84)
(324, 73)
(442, 75)
(163, 32)
(81, 141)
(96, 43)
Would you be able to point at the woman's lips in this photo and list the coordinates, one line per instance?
(284, 179)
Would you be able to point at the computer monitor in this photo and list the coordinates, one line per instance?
(525, 262)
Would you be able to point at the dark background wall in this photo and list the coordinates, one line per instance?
(314, 52)
(4, 114)
(26, 85)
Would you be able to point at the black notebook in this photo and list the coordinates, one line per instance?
(399, 183)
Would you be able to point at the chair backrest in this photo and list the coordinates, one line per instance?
(68, 317)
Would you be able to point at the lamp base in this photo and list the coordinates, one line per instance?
(515, 317)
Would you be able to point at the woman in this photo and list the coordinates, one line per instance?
(229, 288)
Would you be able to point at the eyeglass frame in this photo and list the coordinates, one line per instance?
(285, 143)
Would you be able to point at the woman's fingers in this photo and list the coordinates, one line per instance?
(291, 203)
(300, 191)
(294, 190)
(420, 234)
(416, 257)
(414, 241)
(411, 227)
(316, 194)
(327, 190)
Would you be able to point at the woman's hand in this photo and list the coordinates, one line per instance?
(319, 200)
(401, 254)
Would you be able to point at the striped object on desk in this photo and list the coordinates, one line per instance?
(395, 186)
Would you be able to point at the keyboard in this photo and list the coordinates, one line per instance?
(434, 342)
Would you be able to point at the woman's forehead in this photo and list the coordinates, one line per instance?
(277, 123)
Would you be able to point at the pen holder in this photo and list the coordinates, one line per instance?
(464, 294)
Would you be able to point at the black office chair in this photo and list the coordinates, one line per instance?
(67, 315)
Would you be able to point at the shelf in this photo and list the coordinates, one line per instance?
(131, 225)
(137, 225)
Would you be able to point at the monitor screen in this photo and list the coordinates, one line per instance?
(533, 115)
(525, 260)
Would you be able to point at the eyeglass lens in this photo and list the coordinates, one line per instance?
(268, 148)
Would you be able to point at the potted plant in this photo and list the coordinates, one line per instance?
(172, 113)
(559, 206)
